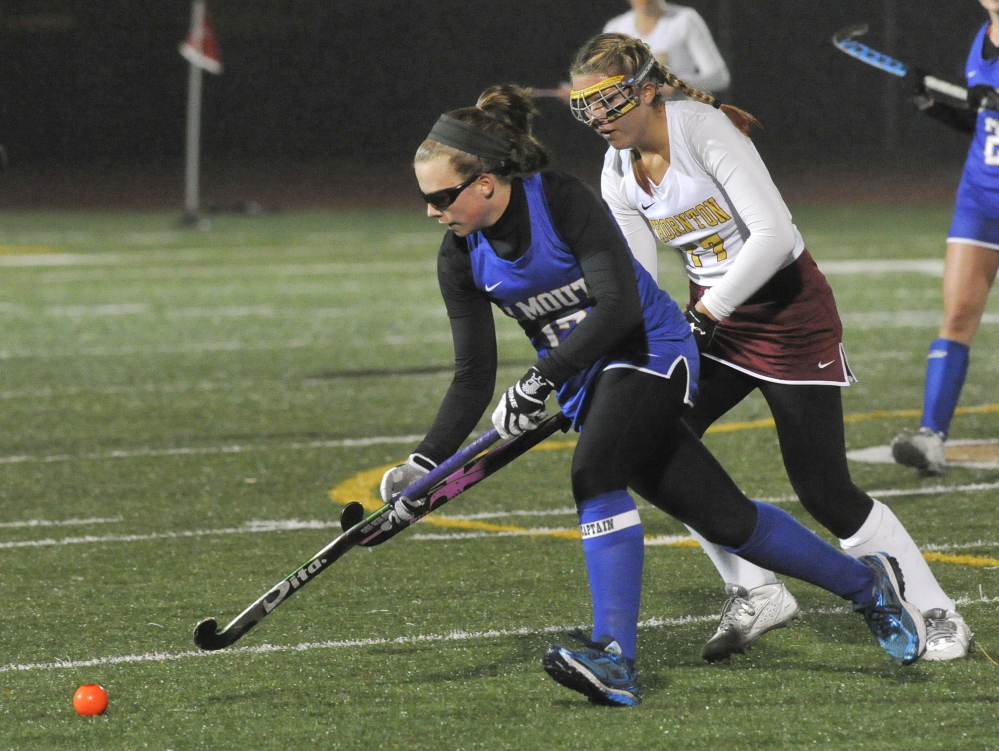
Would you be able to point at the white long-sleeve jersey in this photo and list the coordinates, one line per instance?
(716, 204)
(683, 37)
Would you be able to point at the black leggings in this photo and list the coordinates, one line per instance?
(634, 436)
(809, 423)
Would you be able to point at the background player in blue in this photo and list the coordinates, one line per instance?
(618, 352)
(972, 249)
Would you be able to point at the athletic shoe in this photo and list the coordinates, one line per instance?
(922, 450)
(947, 636)
(599, 671)
(746, 616)
(898, 626)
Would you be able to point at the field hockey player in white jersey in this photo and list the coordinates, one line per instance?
(686, 173)
(679, 38)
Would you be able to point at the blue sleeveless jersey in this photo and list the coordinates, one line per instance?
(545, 292)
(976, 213)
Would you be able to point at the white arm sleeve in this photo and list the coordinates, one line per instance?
(712, 72)
(731, 159)
(632, 222)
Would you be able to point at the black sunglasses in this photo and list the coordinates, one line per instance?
(441, 199)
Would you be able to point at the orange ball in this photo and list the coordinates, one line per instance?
(90, 699)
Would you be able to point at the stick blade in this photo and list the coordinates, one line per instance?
(353, 513)
(207, 636)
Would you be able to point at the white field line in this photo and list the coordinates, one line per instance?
(265, 310)
(247, 528)
(147, 388)
(533, 531)
(566, 510)
(178, 387)
(59, 522)
(237, 346)
(872, 319)
(338, 270)
(134, 258)
(319, 246)
(291, 525)
(450, 636)
(902, 319)
(930, 266)
(206, 450)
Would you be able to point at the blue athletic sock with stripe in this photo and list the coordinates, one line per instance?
(946, 368)
(781, 544)
(614, 547)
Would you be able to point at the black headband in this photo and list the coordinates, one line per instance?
(470, 139)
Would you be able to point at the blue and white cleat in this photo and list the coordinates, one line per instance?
(898, 626)
(599, 672)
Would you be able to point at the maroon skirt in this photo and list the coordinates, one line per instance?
(789, 331)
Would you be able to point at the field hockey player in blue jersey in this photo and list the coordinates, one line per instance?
(972, 257)
(618, 355)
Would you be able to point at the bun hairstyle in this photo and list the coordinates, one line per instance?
(620, 54)
(503, 115)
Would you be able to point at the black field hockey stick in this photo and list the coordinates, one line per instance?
(845, 40)
(441, 484)
(471, 474)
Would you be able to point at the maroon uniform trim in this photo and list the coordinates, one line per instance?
(788, 332)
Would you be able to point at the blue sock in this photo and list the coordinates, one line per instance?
(946, 367)
(614, 547)
(781, 544)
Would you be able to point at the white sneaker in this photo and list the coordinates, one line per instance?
(922, 450)
(747, 616)
(947, 636)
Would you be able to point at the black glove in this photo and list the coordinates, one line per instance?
(701, 326)
(983, 96)
(913, 81)
(914, 84)
(522, 407)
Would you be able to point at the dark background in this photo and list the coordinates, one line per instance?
(319, 97)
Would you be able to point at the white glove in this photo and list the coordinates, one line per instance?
(399, 478)
(522, 406)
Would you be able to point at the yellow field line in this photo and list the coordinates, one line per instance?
(880, 414)
(962, 560)
(362, 486)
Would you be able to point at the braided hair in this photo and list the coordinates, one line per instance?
(620, 54)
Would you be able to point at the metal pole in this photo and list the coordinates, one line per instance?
(193, 151)
(192, 166)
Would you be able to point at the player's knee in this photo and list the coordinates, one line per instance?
(960, 325)
(589, 484)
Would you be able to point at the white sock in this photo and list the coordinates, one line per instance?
(884, 533)
(733, 569)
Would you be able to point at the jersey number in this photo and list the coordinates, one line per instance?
(562, 324)
(992, 141)
(713, 243)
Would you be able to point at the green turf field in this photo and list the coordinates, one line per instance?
(179, 421)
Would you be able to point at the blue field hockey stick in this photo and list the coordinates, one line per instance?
(845, 40)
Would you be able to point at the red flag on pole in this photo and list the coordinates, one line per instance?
(201, 48)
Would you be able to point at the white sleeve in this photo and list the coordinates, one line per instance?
(712, 72)
(632, 222)
(732, 161)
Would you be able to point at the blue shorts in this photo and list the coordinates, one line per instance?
(976, 217)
